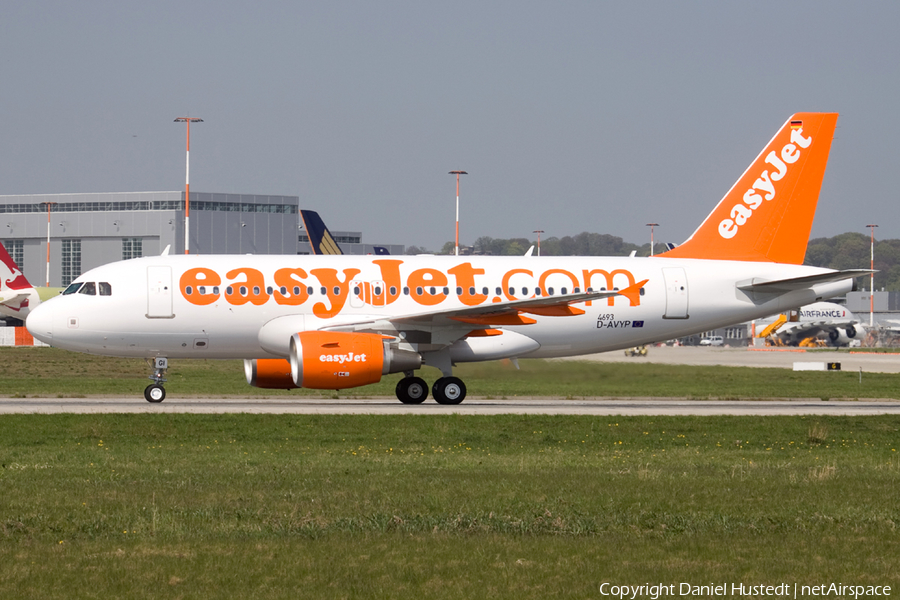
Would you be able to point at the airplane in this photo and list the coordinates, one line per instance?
(336, 322)
(827, 320)
(18, 297)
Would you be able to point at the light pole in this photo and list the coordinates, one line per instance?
(872, 278)
(48, 239)
(457, 173)
(539, 232)
(651, 226)
(187, 182)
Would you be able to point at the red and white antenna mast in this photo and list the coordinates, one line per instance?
(187, 182)
(457, 173)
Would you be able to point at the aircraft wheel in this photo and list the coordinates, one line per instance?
(155, 393)
(412, 390)
(449, 390)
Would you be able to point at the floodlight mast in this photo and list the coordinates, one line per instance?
(49, 204)
(457, 173)
(872, 278)
(539, 232)
(651, 226)
(187, 182)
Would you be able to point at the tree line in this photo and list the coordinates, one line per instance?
(844, 251)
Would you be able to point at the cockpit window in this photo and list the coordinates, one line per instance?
(105, 289)
(73, 288)
(89, 289)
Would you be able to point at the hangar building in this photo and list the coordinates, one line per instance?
(88, 230)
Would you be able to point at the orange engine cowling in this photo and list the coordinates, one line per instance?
(269, 373)
(331, 360)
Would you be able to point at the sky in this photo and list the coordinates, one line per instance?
(568, 116)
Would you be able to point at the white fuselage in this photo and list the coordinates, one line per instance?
(248, 306)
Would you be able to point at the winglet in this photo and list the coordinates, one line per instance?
(767, 215)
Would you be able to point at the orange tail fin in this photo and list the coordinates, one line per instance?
(768, 213)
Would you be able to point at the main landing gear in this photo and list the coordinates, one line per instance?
(155, 392)
(446, 390)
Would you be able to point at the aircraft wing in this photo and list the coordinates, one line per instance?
(780, 286)
(484, 316)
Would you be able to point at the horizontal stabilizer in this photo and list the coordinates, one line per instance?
(10, 297)
(780, 286)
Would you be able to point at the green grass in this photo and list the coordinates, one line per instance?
(446, 506)
(48, 372)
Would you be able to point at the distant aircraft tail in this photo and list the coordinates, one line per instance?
(319, 237)
(767, 215)
(17, 296)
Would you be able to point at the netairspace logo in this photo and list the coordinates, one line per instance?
(732, 590)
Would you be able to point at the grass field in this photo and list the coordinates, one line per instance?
(48, 372)
(243, 506)
(440, 506)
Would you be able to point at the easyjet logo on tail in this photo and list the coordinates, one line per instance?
(766, 185)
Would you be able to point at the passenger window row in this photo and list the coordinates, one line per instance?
(296, 290)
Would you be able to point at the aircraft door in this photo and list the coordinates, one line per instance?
(159, 293)
(676, 293)
(365, 292)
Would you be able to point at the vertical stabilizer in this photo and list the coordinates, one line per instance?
(319, 237)
(17, 296)
(767, 215)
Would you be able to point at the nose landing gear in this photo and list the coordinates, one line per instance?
(155, 392)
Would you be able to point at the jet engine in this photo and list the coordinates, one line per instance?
(328, 360)
(841, 336)
(269, 373)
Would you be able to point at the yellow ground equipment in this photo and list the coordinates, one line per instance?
(773, 326)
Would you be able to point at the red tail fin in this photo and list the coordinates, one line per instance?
(767, 215)
(10, 275)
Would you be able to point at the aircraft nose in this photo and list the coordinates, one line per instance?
(40, 323)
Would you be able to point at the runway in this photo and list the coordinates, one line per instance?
(599, 406)
(472, 406)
